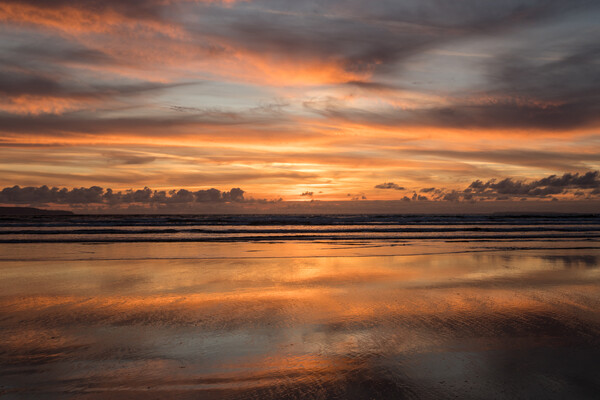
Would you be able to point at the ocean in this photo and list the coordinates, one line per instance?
(300, 306)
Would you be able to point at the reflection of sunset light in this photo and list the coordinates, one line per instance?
(243, 324)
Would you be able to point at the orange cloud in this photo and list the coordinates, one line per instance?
(36, 105)
(76, 20)
(280, 71)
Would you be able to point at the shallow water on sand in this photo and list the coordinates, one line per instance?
(298, 320)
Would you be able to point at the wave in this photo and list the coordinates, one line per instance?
(236, 228)
(294, 220)
(277, 238)
(320, 230)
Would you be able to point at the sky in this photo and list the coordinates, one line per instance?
(180, 102)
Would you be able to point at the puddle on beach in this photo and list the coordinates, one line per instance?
(504, 324)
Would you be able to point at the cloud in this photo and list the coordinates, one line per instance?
(333, 42)
(550, 185)
(343, 91)
(309, 194)
(97, 195)
(452, 196)
(572, 185)
(86, 16)
(551, 85)
(546, 159)
(361, 38)
(494, 112)
(34, 93)
(418, 197)
(124, 158)
(389, 185)
(43, 194)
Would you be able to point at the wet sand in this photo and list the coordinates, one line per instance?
(264, 322)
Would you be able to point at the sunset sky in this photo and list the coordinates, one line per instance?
(300, 100)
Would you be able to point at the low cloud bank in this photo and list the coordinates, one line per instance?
(569, 185)
(541, 188)
(574, 185)
(97, 195)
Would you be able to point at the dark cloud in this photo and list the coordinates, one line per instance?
(357, 36)
(53, 55)
(97, 195)
(570, 75)
(558, 94)
(356, 197)
(510, 114)
(473, 14)
(373, 86)
(129, 158)
(95, 123)
(452, 196)
(353, 44)
(540, 188)
(309, 194)
(418, 197)
(579, 186)
(44, 194)
(18, 84)
(586, 185)
(362, 36)
(551, 85)
(235, 194)
(502, 113)
(22, 84)
(389, 185)
(536, 158)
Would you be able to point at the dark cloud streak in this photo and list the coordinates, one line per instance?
(389, 185)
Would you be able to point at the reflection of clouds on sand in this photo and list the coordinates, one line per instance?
(575, 261)
(471, 324)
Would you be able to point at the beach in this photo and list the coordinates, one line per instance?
(357, 318)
